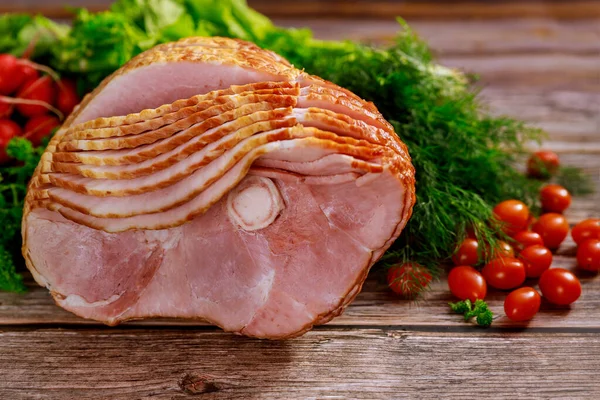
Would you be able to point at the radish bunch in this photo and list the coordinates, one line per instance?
(33, 101)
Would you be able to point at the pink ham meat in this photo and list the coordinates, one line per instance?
(209, 179)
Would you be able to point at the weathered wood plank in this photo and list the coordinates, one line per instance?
(440, 9)
(566, 115)
(360, 363)
(467, 37)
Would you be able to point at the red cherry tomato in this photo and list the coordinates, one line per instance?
(555, 198)
(526, 239)
(542, 164)
(408, 279)
(504, 273)
(586, 229)
(560, 286)
(39, 127)
(466, 282)
(66, 98)
(10, 78)
(467, 253)
(514, 214)
(588, 255)
(40, 90)
(553, 228)
(536, 259)
(8, 130)
(522, 304)
(505, 249)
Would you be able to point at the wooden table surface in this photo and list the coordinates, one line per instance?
(539, 62)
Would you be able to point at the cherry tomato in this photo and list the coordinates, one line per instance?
(553, 228)
(586, 229)
(514, 214)
(522, 304)
(536, 259)
(8, 130)
(526, 239)
(588, 255)
(543, 164)
(467, 253)
(66, 98)
(560, 286)
(505, 249)
(41, 90)
(466, 282)
(555, 198)
(408, 279)
(504, 273)
(40, 126)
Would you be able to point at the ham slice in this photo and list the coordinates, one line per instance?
(210, 179)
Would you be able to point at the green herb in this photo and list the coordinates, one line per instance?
(18, 31)
(480, 311)
(13, 187)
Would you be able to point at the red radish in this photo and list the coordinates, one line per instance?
(39, 127)
(66, 98)
(41, 90)
(8, 130)
(10, 78)
(28, 73)
(6, 108)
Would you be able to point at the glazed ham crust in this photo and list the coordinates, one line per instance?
(210, 179)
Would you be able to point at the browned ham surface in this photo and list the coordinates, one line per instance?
(210, 179)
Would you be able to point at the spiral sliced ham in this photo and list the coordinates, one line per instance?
(210, 179)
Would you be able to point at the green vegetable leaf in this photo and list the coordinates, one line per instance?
(461, 307)
(18, 31)
(480, 311)
(232, 18)
(151, 16)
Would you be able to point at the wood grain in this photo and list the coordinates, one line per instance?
(337, 364)
(432, 9)
(468, 37)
